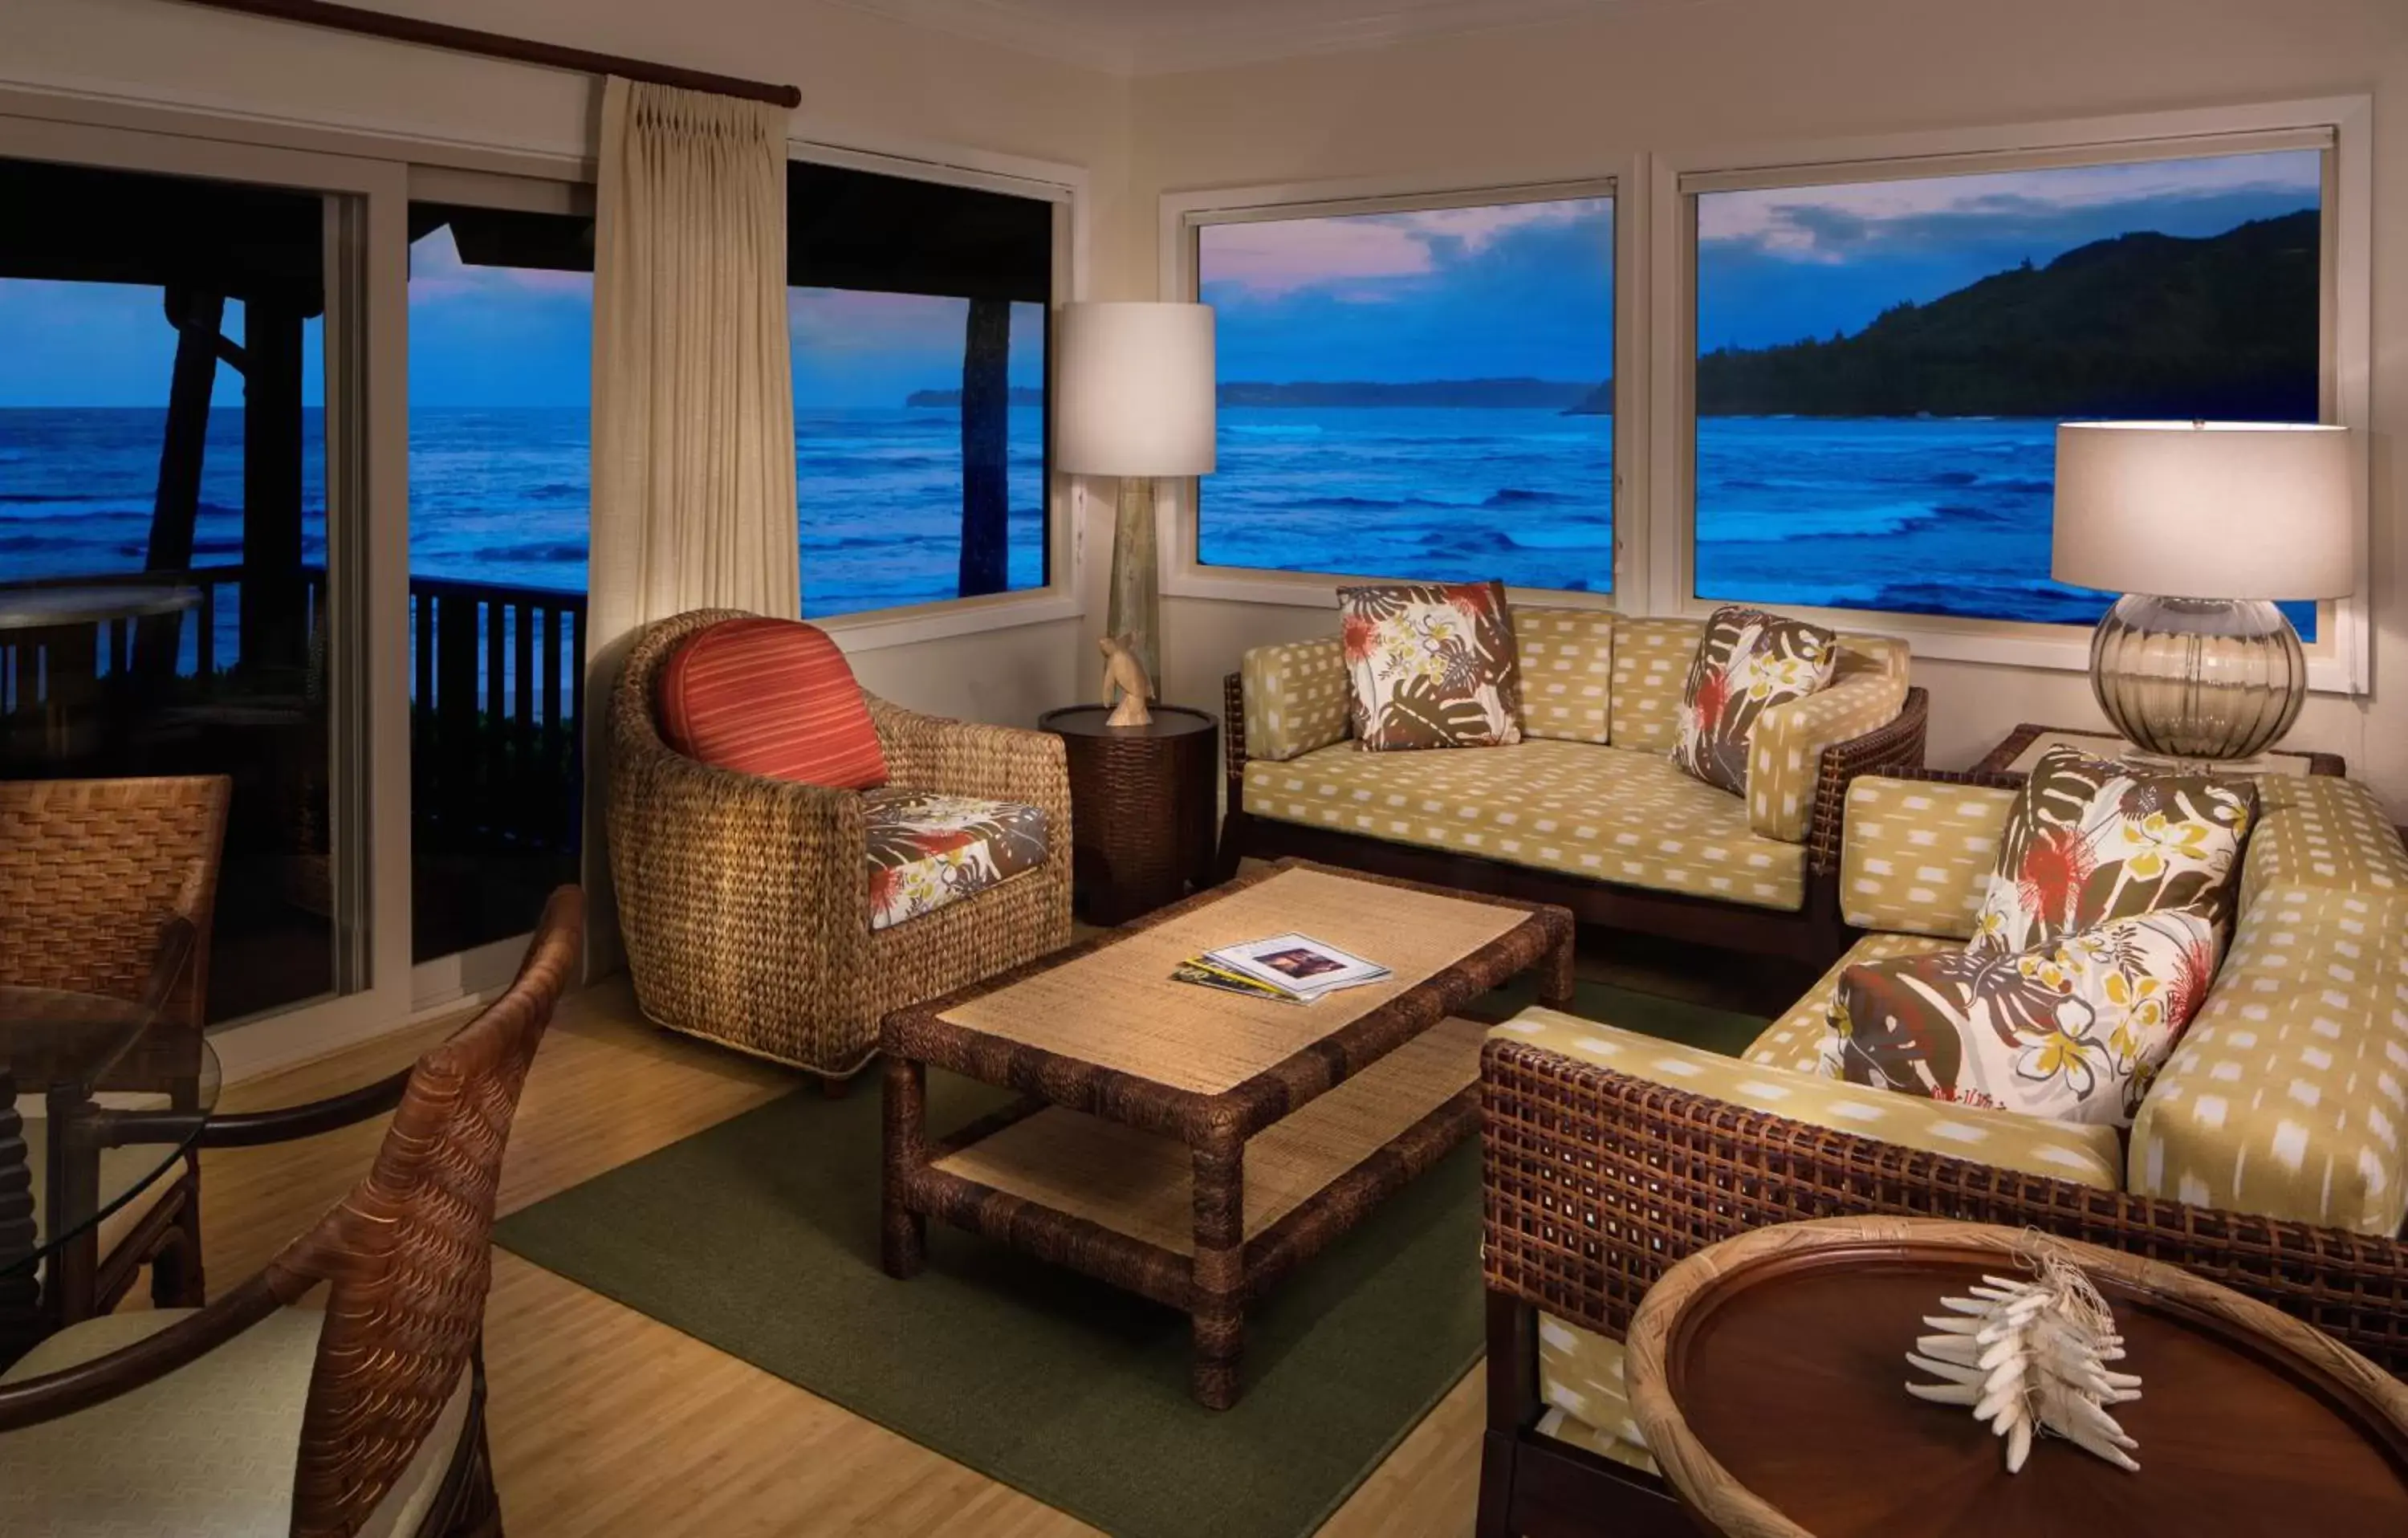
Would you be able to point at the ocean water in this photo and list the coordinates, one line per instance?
(1932, 516)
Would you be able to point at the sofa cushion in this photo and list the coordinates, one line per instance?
(927, 850)
(1296, 697)
(2074, 1029)
(1784, 752)
(2088, 840)
(1795, 1041)
(2321, 831)
(1916, 855)
(2088, 1154)
(1430, 665)
(1651, 666)
(1748, 662)
(2288, 1095)
(1605, 814)
(771, 698)
(1580, 1384)
(1567, 673)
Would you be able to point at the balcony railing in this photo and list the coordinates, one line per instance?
(497, 691)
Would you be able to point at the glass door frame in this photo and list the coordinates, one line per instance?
(367, 428)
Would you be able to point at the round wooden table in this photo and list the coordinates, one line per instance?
(1142, 807)
(1768, 1372)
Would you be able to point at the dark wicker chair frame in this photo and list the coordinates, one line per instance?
(1595, 1183)
(94, 877)
(1813, 934)
(406, 1258)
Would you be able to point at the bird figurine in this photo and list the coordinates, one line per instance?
(2030, 1357)
(1125, 673)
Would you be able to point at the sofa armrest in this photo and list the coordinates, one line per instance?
(1894, 747)
(1296, 698)
(1784, 750)
(1597, 1180)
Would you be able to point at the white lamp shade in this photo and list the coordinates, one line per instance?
(1136, 389)
(2214, 509)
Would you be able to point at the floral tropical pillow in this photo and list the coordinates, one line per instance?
(1432, 664)
(1748, 662)
(2073, 1031)
(2088, 840)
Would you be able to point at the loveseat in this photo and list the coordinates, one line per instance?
(2268, 1154)
(1588, 810)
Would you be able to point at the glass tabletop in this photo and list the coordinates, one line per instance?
(98, 1097)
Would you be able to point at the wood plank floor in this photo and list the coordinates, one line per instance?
(605, 1422)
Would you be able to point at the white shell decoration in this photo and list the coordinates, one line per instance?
(2031, 1356)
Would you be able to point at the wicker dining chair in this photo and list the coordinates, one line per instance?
(91, 873)
(259, 1415)
(744, 901)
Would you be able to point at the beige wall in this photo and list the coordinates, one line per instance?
(864, 80)
(1559, 100)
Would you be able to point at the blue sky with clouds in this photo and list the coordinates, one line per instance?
(1522, 289)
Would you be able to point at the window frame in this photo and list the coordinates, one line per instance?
(1065, 188)
(2338, 662)
(1185, 213)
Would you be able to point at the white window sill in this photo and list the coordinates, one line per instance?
(878, 628)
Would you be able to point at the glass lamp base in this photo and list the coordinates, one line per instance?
(2198, 679)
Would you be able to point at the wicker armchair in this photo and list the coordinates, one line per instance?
(381, 1393)
(744, 903)
(91, 875)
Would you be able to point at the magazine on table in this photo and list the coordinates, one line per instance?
(1204, 974)
(1295, 965)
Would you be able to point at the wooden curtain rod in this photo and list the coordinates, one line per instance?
(493, 44)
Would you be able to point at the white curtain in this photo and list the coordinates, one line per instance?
(693, 406)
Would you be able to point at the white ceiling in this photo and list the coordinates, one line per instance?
(1158, 37)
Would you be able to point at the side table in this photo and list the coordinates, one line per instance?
(1766, 1372)
(1142, 807)
(2020, 749)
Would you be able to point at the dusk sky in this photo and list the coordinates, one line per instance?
(1501, 290)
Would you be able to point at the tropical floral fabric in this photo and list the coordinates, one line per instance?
(1432, 664)
(1748, 662)
(2072, 1031)
(927, 850)
(2088, 840)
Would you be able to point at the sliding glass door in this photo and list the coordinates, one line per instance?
(186, 340)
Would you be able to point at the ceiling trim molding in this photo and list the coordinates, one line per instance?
(1135, 48)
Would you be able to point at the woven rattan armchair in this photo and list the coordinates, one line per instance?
(254, 1415)
(92, 872)
(744, 901)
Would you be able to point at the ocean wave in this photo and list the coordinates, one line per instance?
(1523, 496)
(536, 553)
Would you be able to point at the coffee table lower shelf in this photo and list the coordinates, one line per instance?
(1152, 1214)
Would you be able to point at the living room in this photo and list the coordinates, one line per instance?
(1652, 314)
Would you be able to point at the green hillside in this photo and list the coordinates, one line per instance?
(2142, 326)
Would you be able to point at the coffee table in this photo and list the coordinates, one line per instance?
(1192, 1146)
(1766, 1374)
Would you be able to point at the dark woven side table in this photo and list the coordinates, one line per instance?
(1142, 805)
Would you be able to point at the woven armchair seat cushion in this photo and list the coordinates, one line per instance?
(771, 698)
(1795, 1041)
(1580, 1384)
(208, 1451)
(1606, 813)
(927, 850)
(2086, 1154)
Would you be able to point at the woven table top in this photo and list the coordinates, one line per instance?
(1116, 1007)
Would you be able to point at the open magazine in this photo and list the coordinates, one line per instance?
(1295, 968)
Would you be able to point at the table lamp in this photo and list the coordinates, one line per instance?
(2201, 525)
(1137, 401)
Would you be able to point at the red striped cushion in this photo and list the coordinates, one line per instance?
(772, 698)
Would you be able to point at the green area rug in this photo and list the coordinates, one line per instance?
(760, 1237)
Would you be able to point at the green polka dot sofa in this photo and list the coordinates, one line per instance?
(1587, 811)
(2270, 1155)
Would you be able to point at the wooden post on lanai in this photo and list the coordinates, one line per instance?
(199, 320)
(986, 420)
(274, 625)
